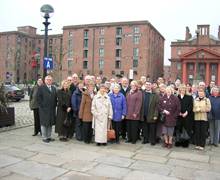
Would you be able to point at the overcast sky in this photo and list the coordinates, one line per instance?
(169, 17)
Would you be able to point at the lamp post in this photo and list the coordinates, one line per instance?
(197, 78)
(46, 11)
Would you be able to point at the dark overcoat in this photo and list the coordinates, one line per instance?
(64, 101)
(152, 108)
(47, 101)
(172, 105)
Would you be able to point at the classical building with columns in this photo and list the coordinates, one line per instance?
(197, 58)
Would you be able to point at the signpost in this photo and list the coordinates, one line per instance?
(48, 63)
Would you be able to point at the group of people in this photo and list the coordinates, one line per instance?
(134, 109)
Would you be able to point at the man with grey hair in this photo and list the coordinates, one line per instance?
(47, 101)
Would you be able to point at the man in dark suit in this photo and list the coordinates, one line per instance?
(47, 100)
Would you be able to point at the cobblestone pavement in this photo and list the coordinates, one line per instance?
(23, 156)
(23, 115)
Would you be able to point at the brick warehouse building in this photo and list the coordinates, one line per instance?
(113, 49)
(21, 54)
(196, 58)
(106, 49)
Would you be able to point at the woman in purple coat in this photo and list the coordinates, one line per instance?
(134, 103)
(119, 108)
(170, 106)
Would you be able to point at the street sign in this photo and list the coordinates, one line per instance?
(48, 63)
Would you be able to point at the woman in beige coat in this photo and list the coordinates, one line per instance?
(201, 106)
(102, 113)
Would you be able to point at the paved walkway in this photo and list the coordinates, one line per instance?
(23, 156)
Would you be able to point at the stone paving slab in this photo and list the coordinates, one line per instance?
(78, 165)
(121, 153)
(182, 172)
(109, 171)
(6, 160)
(206, 175)
(151, 158)
(49, 159)
(140, 175)
(156, 151)
(36, 170)
(189, 156)
(151, 167)
(15, 176)
(115, 160)
(18, 153)
(4, 172)
(188, 164)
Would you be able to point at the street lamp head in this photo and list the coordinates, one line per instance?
(47, 10)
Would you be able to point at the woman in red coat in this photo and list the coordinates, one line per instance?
(170, 106)
(134, 103)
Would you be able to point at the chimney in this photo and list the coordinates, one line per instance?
(188, 34)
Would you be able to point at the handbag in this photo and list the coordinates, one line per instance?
(67, 121)
(162, 117)
(110, 133)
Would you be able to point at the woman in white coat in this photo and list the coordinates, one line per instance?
(102, 115)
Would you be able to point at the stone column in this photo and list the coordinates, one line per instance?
(207, 73)
(184, 75)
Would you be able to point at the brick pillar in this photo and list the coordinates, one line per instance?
(184, 73)
(207, 73)
(218, 74)
(195, 69)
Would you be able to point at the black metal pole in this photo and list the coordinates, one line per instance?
(46, 24)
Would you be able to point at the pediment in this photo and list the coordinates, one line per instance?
(201, 53)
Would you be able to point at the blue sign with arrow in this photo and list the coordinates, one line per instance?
(48, 63)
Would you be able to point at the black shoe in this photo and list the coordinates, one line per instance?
(35, 134)
(63, 139)
(152, 144)
(46, 140)
(104, 144)
(51, 139)
(98, 144)
(145, 141)
(133, 142)
(128, 141)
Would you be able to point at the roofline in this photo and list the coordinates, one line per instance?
(27, 26)
(121, 23)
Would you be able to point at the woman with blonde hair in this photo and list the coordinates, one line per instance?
(170, 106)
(63, 108)
(185, 119)
(201, 106)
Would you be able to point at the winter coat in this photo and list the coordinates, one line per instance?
(47, 101)
(215, 107)
(85, 107)
(152, 108)
(75, 101)
(63, 98)
(119, 106)
(201, 108)
(33, 98)
(172, 105)
(102, 112)
(134, 103)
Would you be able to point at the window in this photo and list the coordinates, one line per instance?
(118, 53)
(102, 31)
(39, 41)
(136, 39)
(51, 41)
(136, 29)
(136, 52)
(190, 67)
(118, 31)
(118, 41)
(85, 64)
(117, 64)
(86, 33)
(70, 34)
(101, 41)
(70, 64)
(101, 63)
(101, 52)
(135, 62)
(70, 48)
(85, 43)
(85, 53)
(178, 66)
